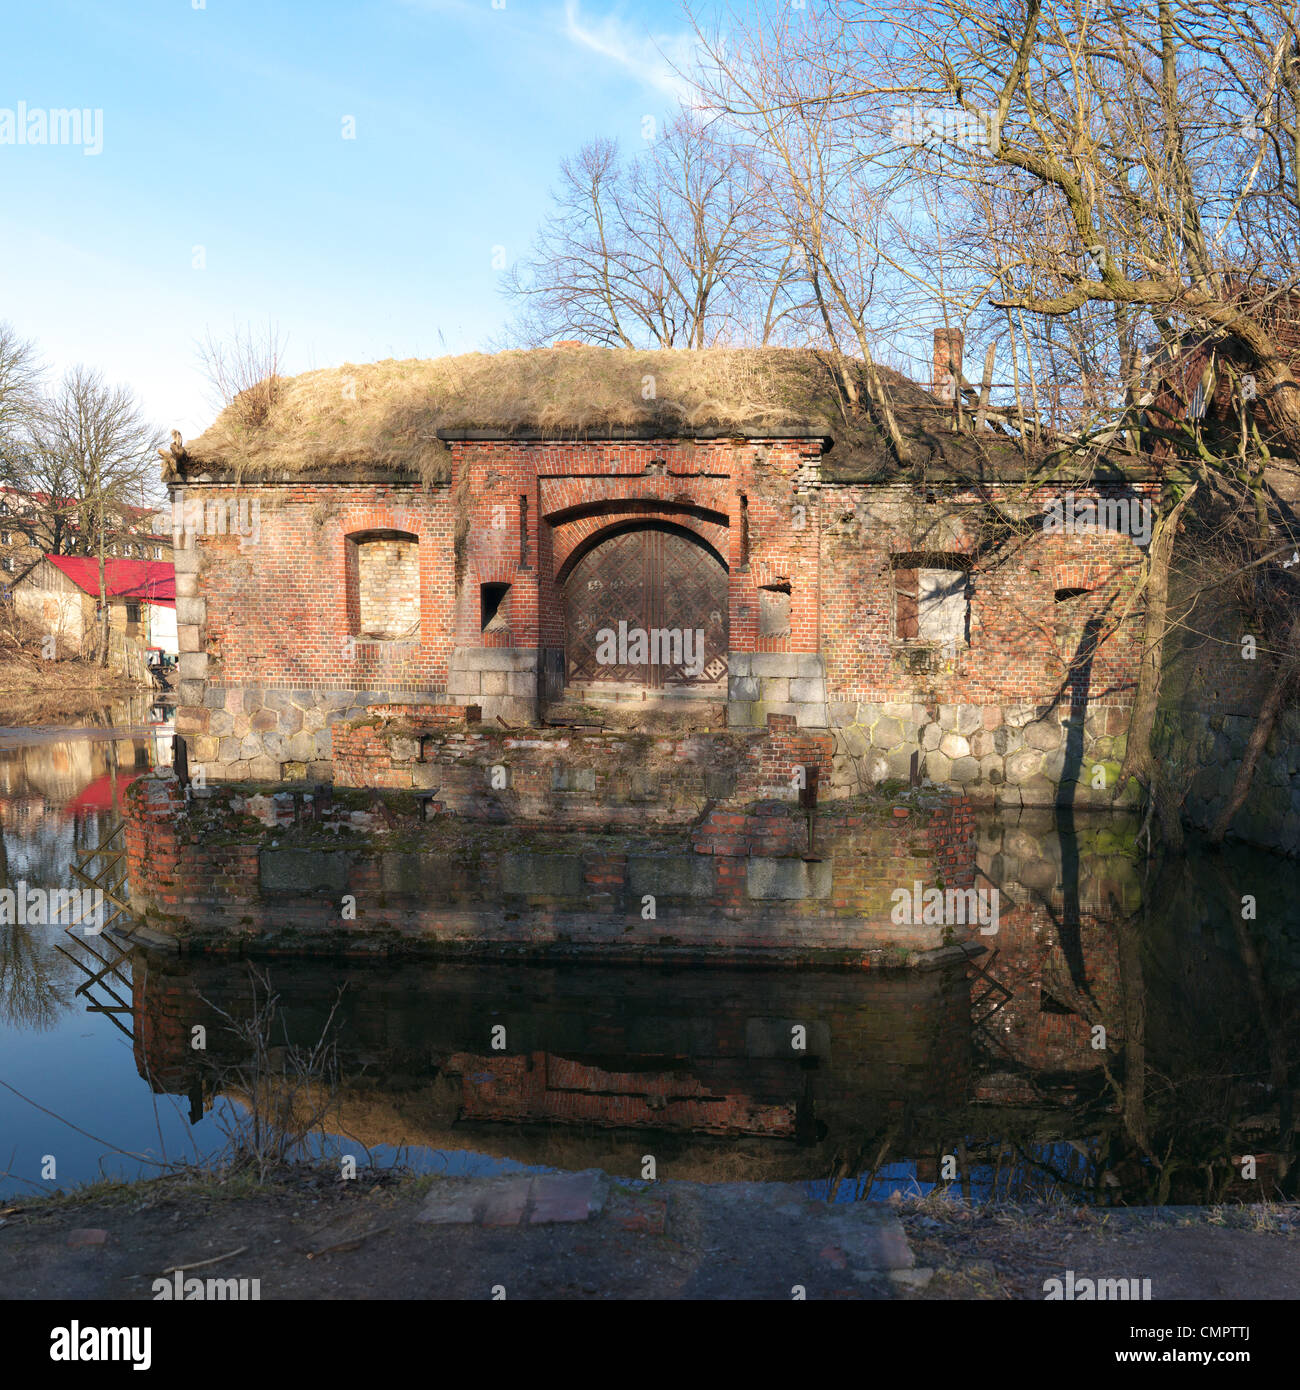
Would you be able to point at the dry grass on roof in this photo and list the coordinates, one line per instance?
(388, 414)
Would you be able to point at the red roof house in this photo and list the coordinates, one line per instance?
(150, 581)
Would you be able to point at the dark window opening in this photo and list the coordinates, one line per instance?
(1063, 594)
(1049, 1004)
(492, 616)
(132, 611)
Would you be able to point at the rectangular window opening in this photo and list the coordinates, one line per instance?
(492, 607)
(932, 597)
(384, 586)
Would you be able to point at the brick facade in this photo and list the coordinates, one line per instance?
(366, 591)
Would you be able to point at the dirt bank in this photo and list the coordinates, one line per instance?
(585, 1236)
(42, 692)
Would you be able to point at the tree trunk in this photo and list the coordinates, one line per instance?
(103, 606)
(1139, 761)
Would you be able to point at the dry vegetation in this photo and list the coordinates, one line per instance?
(389, 413)
(34, 687)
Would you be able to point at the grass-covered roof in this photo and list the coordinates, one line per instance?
(397, 417)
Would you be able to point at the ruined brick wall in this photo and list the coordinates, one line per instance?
(483, 771)
(227, 871)
(464, 581)
(276, 651)
(1036, 699)
(1022, 638)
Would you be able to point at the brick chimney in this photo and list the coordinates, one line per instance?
(948, 345)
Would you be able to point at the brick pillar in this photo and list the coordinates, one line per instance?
(152, 809)
(948, 346)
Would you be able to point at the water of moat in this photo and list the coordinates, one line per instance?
(983, 1076)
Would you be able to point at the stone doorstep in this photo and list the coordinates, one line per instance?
(866, 1237)
(533, 1201)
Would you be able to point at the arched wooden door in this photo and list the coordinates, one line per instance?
(647, 606)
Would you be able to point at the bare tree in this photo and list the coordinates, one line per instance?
(20, 399)
(20, 385)
(94, 441)
(1087, 182)
(667, 249)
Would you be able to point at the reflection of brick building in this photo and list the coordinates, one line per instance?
(696, 1054)
(1053, 968)
(827, 582)
(539, 1086)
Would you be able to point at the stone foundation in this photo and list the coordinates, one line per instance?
(271, 734)
(1018, 755)
(502, 681)
(763, 683)
(1203, 751)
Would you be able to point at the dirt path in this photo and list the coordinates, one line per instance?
(585, 1237)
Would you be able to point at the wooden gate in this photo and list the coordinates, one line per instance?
(668, 593)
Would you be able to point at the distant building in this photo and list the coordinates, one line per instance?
(60, 595)
(26, 532)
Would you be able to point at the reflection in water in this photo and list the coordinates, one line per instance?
(1127, 1036)
(58, 797)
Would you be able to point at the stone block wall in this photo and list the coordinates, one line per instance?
(502, 681)
(786, 683)
(1017, 755)
(227, 870)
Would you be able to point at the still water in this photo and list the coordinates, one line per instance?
(1130, 1034)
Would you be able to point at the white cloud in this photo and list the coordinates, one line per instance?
(655, 61)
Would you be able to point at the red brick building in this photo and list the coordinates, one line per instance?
(706, 532)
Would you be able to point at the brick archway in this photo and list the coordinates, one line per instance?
(645, 605)
(577, 515)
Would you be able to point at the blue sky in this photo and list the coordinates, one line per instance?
(223, 130)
